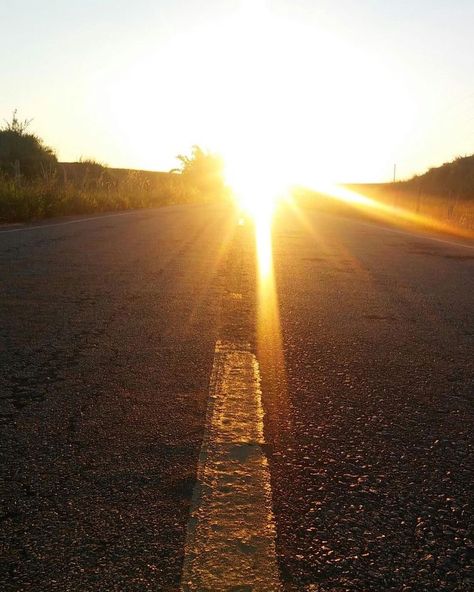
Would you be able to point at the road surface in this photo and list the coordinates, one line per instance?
(109, 332)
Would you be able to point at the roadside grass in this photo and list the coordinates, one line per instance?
(440, 199)
(59, 194)
(401, 206)
(449, 212)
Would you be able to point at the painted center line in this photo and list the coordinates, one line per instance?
(230, 543)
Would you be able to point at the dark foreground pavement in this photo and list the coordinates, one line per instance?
(106, 346)
(107, 333)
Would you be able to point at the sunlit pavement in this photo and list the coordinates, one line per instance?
(369, 435)
(364, 339)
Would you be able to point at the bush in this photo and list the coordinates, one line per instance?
(22, 153)
(453, 180)
(204, 171)
(34, 185)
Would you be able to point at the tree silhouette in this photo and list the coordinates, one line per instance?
(22, 152)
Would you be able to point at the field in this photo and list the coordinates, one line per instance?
(449, 210)
(82, 188)
(442, 199)
(393, 205)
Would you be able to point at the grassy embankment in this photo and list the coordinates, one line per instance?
(440, 199)
(86, 187)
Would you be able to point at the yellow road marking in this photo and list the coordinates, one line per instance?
(230, 542)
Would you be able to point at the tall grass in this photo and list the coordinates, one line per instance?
(398, 206)
(451, 211)
(440, 199)
(101, 190)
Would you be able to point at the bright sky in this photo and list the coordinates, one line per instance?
(300, 90)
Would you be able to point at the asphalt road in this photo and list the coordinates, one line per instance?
(371, 459)
(107, 335)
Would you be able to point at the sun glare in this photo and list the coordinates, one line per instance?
(256, 193)
(271, 91)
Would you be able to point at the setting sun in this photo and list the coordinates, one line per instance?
(255, 81)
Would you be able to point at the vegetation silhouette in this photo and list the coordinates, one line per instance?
(441, 198)
(454, 179)
(444, 193)
(203, 170)
(24, 153)
(34, 185)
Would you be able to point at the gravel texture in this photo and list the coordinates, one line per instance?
(370, 439)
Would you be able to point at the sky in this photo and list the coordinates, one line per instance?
(297, 91)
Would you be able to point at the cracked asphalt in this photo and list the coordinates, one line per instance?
(107, 334)
(108, 330)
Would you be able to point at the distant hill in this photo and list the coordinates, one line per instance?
(452, 180)
(443, 196)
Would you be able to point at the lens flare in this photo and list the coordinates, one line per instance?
(391, 213)
(258, 192)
